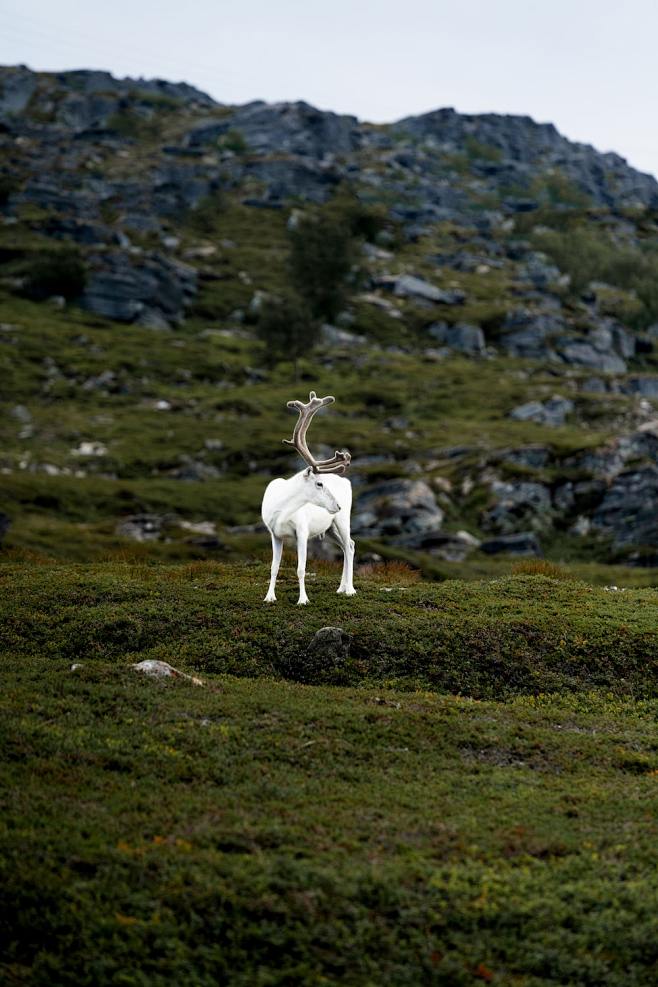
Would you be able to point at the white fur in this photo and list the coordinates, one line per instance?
(297, 508)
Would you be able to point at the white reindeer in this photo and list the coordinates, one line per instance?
(309, 504)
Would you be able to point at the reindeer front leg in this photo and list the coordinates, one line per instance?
(277, 549)
(302, 540)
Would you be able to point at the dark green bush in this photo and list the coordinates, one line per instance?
(204, 218)
(7, 186)
(586, 256)
(233, 140)
(288, 329)
(321, 257)
(61, 272)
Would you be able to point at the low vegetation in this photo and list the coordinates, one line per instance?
(587, 256)
(255, 830)
(523, 634)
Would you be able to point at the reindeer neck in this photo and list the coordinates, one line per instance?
(295, 497)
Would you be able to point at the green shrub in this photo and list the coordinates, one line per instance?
(7, 186)
(233, 140)
(288, 329)
(586, 256)
(204, 218)
(61, 272)
(321, 258)
(477, 151)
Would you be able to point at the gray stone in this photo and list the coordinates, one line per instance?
(582, 353)
(333, 336)
(155, 288)
(623, 341)
(579, 496)
(152, 318)
(144, 527)
(462, 337)
(449, 546)
(17, 86)
(629, 509)
(594, 385)
(525, 333)
(552, 412)
(322, 661)
(523, 543)
(539, 272)
(194, 469)
(283, 128)
(397, 508)
(518, 505)
(157, 669)
(647, 387)
(21, 414)
(408, 286)
(524, 145)
(330, 645)
(534, 456)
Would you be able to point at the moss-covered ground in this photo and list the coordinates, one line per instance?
(471, 797)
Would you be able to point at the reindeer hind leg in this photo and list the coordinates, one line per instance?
(340, 529)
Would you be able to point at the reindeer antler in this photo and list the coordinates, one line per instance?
(339, 461)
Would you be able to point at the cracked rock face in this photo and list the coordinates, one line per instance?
(398, 508)
(518, 506)
(523, 543)
(629, 509)
(153, 290)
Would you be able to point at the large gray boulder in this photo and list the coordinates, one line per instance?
(447, 545)
(552, 412)
(518, 506)
(322, 661)
(152, 288)
(396, 508)
(527, 334)
(582, 353)
(646, 387)
(606, 347)
(144, 527)
(417, 289)
(523, 543)
(284, 178)
(524, 146)
(291, 128)
(17, 85)
(462, 337)
(629, 509)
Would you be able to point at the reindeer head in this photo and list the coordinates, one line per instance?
(318, 493)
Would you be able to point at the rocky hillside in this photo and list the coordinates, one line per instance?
(493, 356)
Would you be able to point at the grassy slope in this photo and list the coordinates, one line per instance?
(50, 359)
(262, 831)
(202, 376)
(523, 634)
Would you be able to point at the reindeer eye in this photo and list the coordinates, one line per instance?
(320, 485)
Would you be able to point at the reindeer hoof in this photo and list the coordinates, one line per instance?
(302, 603)
(350, 592)
(270, 598)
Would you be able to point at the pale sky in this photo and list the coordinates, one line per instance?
(588, 66)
